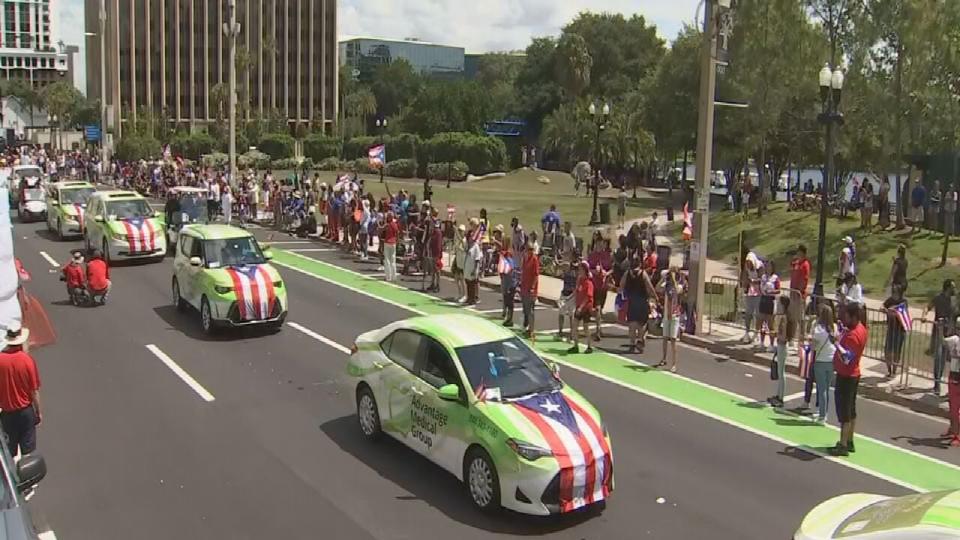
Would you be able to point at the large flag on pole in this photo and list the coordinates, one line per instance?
(377, 155)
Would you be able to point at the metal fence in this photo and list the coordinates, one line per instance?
(912, 352)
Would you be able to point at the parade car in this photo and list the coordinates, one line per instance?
(124, 226)
(223, 272)
(476, 400)
(66, 205)
(861, 516)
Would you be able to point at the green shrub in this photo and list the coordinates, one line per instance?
(137, 147)
(253, 159)
(483, 154)
(357, 147)
(276, 145)
(291, 164)
(331, 164)
(320, 147)
(457, 170)
(401, 168)
(361, 166)
(402, 146)
(192, 145)
(215, 159)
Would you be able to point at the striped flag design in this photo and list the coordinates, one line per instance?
(79, 209)
(806, 360)
(903, 315)
(254, 289)
(141, 236)
(577, 443)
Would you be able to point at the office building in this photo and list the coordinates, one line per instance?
(363, 54)
(169, 56)
(29, 48)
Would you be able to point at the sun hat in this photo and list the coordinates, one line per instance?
(847, 240)
(16, 335)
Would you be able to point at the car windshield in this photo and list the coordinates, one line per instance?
(133, 208)
(508, 369)
(194, 207)
(75, 196)
(232, 252)
(28, 172)
(33, 194)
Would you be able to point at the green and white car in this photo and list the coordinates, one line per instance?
(861, 516)
(478, 401)
(222, 272)
(124, 226)
(66, 206)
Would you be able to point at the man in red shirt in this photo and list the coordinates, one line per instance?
(73, 274)
(584, 298)
(389, 235)
(800, 274)
(846, 362)
(19, 392)
(434, 259)
(98, 277)
(529, 286)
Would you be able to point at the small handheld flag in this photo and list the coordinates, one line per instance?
(687, 223)
(377, 155)
(903, 315)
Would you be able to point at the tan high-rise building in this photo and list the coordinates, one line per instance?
(169, 56)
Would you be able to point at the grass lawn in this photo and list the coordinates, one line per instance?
(779, 231)
(519, 194)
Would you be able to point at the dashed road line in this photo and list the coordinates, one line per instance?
(49, 259)
(182, 373)
(325, 340)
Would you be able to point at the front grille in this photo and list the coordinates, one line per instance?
(551, 495)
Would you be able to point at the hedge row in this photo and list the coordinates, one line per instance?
(456, 171)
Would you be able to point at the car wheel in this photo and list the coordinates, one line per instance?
(206, 317)
(368, 416)
(106, 253)
(482, 480)
(177, 299)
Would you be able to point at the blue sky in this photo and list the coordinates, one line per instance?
(488, 25)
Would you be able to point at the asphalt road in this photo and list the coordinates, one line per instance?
(134, 452)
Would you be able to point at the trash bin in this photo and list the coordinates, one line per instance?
(604, 213)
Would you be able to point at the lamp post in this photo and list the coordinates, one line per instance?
(600, 115)
(232, 29)
(381, 127)
(831, 89)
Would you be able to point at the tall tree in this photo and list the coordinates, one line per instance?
(573, 64)
(395, 85)
(538, 93)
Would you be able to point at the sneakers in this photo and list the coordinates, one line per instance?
(588, 350)
(839, 450)
(508, 324)
(574, 350)
(850, 448)
(774, 401)
(819, 420)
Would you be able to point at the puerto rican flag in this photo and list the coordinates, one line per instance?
(903, 315)
(377, 155)
(141, 236)
(806, 360)
(255, 294)
(78, 208)
(577, 442)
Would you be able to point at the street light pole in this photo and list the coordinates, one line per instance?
(831, 88)
(104, 157)
(701, 210)
(600, 116)
(231, 31)
(382, 126)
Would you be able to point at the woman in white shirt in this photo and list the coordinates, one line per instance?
(823, 350)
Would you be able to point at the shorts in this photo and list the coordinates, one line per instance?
(567, 305)
(916, 215)
(20, 427)
(584, 315)
(600, 300)
(750, 304)
(766, 305)
(621, 210)
(671, 327)
(845, 396)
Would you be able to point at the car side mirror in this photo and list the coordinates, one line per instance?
(54, 203)
(30, 471)
(268, 255)
(195, 261)
(449, 392)
(98, 219)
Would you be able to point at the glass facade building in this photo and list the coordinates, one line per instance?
(364, 54)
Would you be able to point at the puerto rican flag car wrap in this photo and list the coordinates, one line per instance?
(576, 440)
(141, 235)
(78, 208)
(254, 290)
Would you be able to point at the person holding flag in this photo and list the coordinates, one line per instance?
(899, 324)
(846, 362)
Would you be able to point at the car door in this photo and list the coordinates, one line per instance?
(181, 261)
(194, 274)
(53, 208)
(397, 382)
(90, 224)
(440, 427)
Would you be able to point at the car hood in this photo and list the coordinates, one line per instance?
(118, 227)
(221, 277)
(856, 515)
(35, 205)
(514, 421)
(69, 209)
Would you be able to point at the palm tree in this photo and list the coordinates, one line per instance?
(360, 104)
(573, 64)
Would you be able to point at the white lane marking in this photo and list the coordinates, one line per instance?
(318, 337)
(311, 250)
(49, 535)
(730, 393)
(791, 397)
(180, 372)
(49, 259)
(289, 242)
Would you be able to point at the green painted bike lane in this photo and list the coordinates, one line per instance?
(898, 465)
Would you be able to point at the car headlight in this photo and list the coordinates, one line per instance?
(277, 284)
(119, 236)
(68, 217)
(222, 290)
(527, 451)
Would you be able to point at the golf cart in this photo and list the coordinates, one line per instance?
(193, 209)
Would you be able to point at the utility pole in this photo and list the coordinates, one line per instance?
(701, 211)
(232, 29)
(104, 155)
